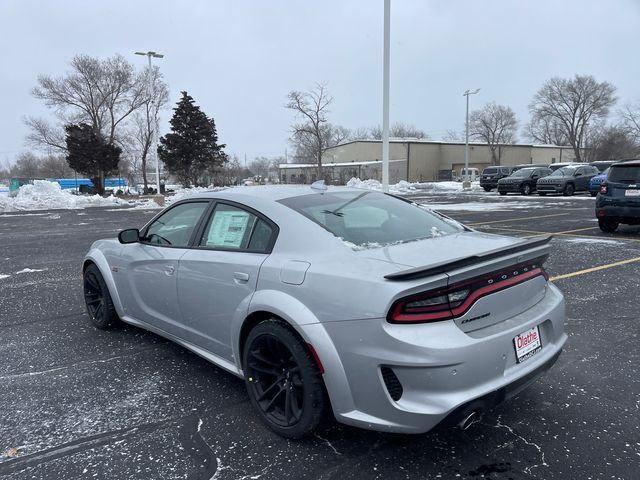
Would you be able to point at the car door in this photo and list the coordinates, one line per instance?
(216, 280)
(150, 267)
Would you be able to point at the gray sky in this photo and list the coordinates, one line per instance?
(238, 59)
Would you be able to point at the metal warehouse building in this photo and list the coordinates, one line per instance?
(417, 160)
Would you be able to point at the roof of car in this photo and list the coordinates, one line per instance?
(270, 192)
(627, 163)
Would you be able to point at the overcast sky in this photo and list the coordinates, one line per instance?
(238, 59)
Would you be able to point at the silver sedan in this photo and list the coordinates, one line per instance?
(383, 312)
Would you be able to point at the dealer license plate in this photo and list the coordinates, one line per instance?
(632, 193)
(527, 344)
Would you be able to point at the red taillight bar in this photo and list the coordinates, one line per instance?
(401, 313)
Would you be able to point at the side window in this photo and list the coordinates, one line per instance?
(176, 225)
(579, 171)
(233, 228)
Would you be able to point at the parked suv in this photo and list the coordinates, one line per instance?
(522, 181)
(491, 175)
(567, 180)
(619, 198)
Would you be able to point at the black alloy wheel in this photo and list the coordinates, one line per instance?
(487, 189)
(97, 299)
(526, 189)
(568, 190)
(503, 193)
(283, 380)
(607, 225)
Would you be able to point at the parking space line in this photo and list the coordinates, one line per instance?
(519, 218)
(533, 233)
(594, 269)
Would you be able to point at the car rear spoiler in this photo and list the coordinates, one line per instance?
(449, 265)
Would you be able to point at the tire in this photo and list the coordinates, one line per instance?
(568, 190)
(608, 225)
(542, 194)
(97, 299)
(274, 356)
(525, 189)
(487, 189)
(503, 193)
(594, 194)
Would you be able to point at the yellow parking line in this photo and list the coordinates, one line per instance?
(594, 269)
(519, 218)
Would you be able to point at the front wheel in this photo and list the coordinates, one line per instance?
(98, 300)
(608, 225)
(568, 190)
(283, 380)
(542, 194)
(503, 193)
(487, 189)
(526, 189)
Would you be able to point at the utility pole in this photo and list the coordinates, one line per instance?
(153, 149)
(466, 183)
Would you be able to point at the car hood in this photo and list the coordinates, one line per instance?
(439, 249)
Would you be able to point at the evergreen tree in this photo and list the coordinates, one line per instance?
(90, 155)
(191, 151)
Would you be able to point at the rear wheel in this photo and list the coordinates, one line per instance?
(525, 189)
(568, 190)
(98, 300)
(593, 194)
(283, 380)
(608, 225)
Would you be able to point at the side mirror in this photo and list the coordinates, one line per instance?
(130, 235)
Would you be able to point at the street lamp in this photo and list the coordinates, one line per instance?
(149, 55)
(466, 183)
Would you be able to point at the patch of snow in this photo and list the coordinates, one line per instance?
(3, 276)
(592, 240)
(480, 206)
(31, 270)
(44, 195)
(418, 187)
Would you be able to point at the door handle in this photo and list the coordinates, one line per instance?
(169, 270)
(240, 277)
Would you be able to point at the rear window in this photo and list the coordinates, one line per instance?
(490, 171)
(370, 219)
(620, 174)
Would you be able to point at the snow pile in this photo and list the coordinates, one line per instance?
(183, 193)
(44, 195)
(418, 187)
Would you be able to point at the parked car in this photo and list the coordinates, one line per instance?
(619, 197)
(430, 322)
(567, 180)
(602, 165)
(491, 175)
(523, 181)
(595, 182)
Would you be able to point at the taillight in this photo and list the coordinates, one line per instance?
(604, 188)
(455, 300)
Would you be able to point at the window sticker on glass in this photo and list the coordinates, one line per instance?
(228, 229)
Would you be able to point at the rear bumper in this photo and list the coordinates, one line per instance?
(442, 370)
(620, 213)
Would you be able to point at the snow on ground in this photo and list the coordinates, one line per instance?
(183, 193)
(592, 240)
(4, 276)
(481, 206)
(44, 195)
(417, 187)
(31, 270)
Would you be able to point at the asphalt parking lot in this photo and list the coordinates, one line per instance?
(76, 402)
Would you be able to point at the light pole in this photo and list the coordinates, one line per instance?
(466, 183)
(385, 98)
(149, 55)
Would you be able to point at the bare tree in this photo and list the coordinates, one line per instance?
(55, 166)
(27, 165)
(575, 104)
(145, 121)
(453, 136)
(101, 93)
(398, 130)
(630, 115)
(612, 143)
(311, 108)
(496, 126)
(546, 130)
